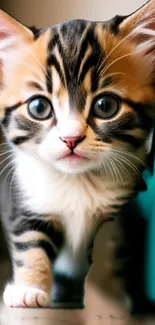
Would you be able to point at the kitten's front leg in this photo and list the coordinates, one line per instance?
(31, 282)
(32, 253)
(69, 271)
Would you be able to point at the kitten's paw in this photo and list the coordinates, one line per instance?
(23, 296)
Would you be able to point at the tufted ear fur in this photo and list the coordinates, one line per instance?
(12, 34)
(140, 28)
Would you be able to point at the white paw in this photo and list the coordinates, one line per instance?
(23, 296)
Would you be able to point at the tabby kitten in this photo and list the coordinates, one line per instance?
(76, 107)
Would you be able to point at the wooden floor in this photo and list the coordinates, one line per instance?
(100, 309)
(103, 305)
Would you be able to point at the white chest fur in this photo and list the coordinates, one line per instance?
(75, 199)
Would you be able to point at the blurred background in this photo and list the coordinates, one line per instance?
(43, 13)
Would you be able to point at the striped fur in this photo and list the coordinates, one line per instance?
(58, 200)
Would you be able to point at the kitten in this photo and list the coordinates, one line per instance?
(76, 107)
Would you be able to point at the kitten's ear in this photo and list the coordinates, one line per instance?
(140, 27)
(12, 32)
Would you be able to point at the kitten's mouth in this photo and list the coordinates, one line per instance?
(74, 162)
(74, 158)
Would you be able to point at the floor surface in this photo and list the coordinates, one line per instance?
(103, 305)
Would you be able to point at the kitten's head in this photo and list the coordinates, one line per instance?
(76, 93)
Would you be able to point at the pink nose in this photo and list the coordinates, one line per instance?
(72, 141)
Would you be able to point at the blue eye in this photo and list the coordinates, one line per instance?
(106, 106)
(40, 108)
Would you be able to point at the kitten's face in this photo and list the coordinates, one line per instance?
(75, 93)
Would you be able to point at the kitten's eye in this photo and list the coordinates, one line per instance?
(106, 106)
(40, 108)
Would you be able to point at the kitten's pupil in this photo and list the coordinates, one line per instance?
(40, 108)
(106, 106)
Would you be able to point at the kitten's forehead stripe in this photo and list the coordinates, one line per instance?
(49, 79)
(52, 61)
(94, 60)
(77, 27)
(34, 85)
(72, 40)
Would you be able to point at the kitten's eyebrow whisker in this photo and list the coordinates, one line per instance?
(122, 57)
(128, 36)
(115, 74)
(42, 67)
(35, 70)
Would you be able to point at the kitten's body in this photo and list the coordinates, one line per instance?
(79, 162)
(53, 193)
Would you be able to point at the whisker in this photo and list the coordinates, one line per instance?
(11, 183)
(10, 171)
(112, 74)
(42, 67)
(133, 156)
(131, 165)
(122, 57)
(6, 159)
(4, 143)
(123, 167)
(111, 170)
(128, 36)
(33, 69)
(114, 168)
(119, 173)
(103, 161)
(6, 166)
(8, 174)
(105, 167)
(5, 152)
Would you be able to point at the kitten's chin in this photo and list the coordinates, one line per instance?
(76, 165)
